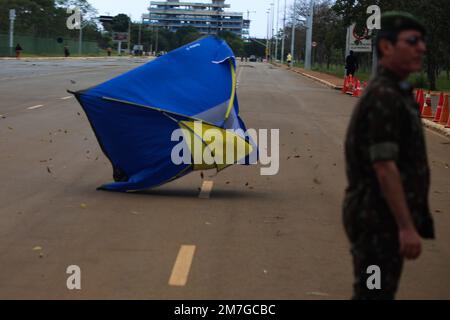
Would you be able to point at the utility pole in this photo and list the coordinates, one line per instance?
(129, 34)
(157, 40)
(294, 19)
(272, 28)
(276, 32)
(267, 38)
(12, 18)
(283, 42)
(140, 32)
(309, 34)
(80, 41)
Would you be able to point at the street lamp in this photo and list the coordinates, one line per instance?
(309, 34)
(277, 28)
(267, 38)
(12, 18)
(294, 19)
(284, 34)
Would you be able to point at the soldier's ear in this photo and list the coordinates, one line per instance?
(386, 47)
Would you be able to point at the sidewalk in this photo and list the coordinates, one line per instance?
(68, 58)
(336, 83)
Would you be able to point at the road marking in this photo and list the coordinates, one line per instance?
(65, 98)
(35, 107)
(207, 187)
(182, 267)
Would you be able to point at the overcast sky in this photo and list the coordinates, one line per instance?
(136, 8)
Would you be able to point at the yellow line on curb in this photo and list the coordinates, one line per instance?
(35, 107)
(182, 267)
(206, 189)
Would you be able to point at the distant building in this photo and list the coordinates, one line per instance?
(207, 18)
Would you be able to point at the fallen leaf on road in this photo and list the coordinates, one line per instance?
(135, 213)
(202, 175)
(10, 128)
(247, 184)
(228, 182)
(73, 82)
(316, 181)
(318, 294)
(48, 170)
(83, 206)
(438, 211)
(37, 248)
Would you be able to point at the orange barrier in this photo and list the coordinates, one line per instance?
(437, 117)
(421, 101)
(357, 92)
(427, 111)
(445, 116)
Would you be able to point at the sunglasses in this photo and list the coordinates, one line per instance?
(414, 40)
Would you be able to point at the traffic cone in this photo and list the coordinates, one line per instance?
(445, 114)
(427, 111)
(345, 87)
(350, 85)
(437, 117)
(357, 92)
(421, 101)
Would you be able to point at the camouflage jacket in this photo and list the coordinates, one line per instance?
(386, 126)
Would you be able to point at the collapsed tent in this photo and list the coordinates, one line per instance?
(134, 115)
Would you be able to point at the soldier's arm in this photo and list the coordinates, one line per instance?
(391, 186)
(385, 116)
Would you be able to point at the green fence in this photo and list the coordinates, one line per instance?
(45, 46)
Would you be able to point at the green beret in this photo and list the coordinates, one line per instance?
(397, 21)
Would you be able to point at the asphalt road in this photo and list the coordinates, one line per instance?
(256, 237)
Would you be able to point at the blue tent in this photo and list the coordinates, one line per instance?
(135, 114)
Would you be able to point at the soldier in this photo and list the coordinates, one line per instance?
(386, 211)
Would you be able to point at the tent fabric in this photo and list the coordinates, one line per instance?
(135, 114)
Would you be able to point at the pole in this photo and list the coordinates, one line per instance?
(119, 48)
(80, 41)
(267, 38)
(374, 54)
(309, 34)
(11, 36)
(283, 42)
(140, 33)
(294, 19)
(273, 32)
(276, 33)
(157, 40)
(129, 35)
(80, 44)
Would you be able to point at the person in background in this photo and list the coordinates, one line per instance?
(66, 52)
(351, 64)
(19, 50)
(289, 60)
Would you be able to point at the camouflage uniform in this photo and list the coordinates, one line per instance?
(385, 126)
